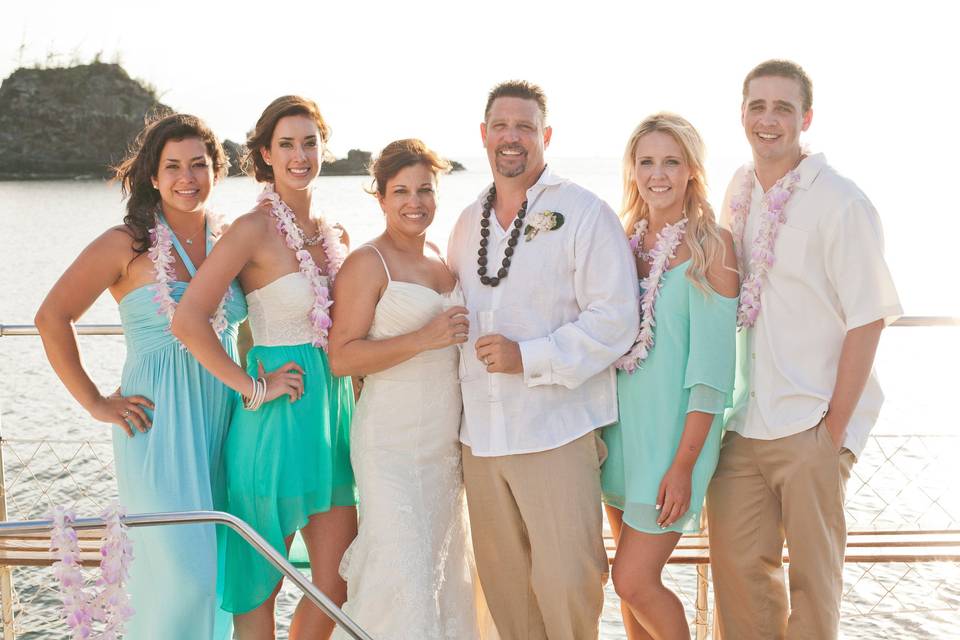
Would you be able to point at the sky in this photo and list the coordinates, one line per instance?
(386, 70)
(884, 75)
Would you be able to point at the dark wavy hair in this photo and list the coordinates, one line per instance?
(262, 134)
(142, 163)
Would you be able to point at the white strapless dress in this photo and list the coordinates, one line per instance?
(410, 571)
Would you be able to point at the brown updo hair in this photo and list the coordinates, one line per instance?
(397, 156)
(262, 134)
(142, 163)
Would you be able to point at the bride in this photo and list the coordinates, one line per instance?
(410, 570)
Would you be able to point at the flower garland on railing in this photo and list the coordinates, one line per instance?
(111, 605)
(286, 224)
(664, 250)
(761, 257)
(165, 273)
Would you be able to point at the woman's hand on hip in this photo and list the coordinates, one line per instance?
(127, 412)
(286, 380)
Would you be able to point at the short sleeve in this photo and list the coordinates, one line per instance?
(711, 361)
(856, 267)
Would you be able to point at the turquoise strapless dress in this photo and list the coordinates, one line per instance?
(287, 460)
(176, 466)
(690, 368)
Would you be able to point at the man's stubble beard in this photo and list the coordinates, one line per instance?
(511, 172)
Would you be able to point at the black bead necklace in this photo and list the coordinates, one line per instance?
(485, 240)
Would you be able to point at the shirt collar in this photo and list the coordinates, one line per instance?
(547, 179)
(810, 168)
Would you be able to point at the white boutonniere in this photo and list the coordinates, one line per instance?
(543, 221)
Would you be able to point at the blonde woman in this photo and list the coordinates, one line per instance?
(677, 379)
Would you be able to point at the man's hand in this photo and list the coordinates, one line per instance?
(499, 354)
(837, 432)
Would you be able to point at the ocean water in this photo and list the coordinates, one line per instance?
(905, 479)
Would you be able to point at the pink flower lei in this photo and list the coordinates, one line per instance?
(165, 273)
(332, 247)
(761, 257)
(111, 605)
(663, 251)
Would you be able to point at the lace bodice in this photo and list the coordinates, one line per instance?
(279, 312)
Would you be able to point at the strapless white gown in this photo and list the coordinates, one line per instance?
(410, 571)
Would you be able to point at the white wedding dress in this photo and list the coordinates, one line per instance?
(410, 571)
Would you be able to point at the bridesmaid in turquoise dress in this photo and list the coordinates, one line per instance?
(287, 452)
(677, 380)
(171, 415)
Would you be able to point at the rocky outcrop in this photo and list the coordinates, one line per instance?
(79, 121)
(355, 164)
(71, 122)
(235, 152)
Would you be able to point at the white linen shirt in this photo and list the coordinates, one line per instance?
(571, 303)
(829, 276)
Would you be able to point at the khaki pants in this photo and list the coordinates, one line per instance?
(538, 540)
(763, 492)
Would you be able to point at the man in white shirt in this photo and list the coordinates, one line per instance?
(806, 397)
(553, 297)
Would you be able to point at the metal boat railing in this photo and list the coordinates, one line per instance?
(81, 329)
(117, 330)
(886, 452)
(245, 531)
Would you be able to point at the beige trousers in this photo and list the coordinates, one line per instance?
(765, 491)
(538, 540)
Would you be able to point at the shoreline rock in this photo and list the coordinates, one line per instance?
(70, 122)
(355, 164)
(78, 122)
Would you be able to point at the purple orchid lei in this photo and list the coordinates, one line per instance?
(111, 605)
(165, 274)
(761, 255)
(664, 250)
(332, 247)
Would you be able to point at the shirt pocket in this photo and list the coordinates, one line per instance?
(790, 251)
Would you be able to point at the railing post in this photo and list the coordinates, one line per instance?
(6, 572)
(702, 621)
(703, 613)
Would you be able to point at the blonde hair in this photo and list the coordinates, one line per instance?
(702, 235)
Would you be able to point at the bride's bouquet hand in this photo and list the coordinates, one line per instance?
(449, 327)
(124, 411)
(285, 380)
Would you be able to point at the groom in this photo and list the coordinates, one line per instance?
(552, 291)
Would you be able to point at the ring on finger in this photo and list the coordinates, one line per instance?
(125, 413)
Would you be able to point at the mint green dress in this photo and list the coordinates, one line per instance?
(177, 465)
(690, 368)
(287, 460)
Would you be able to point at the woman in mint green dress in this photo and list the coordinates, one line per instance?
(676, 381)
(287, 452)
(171, 415)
